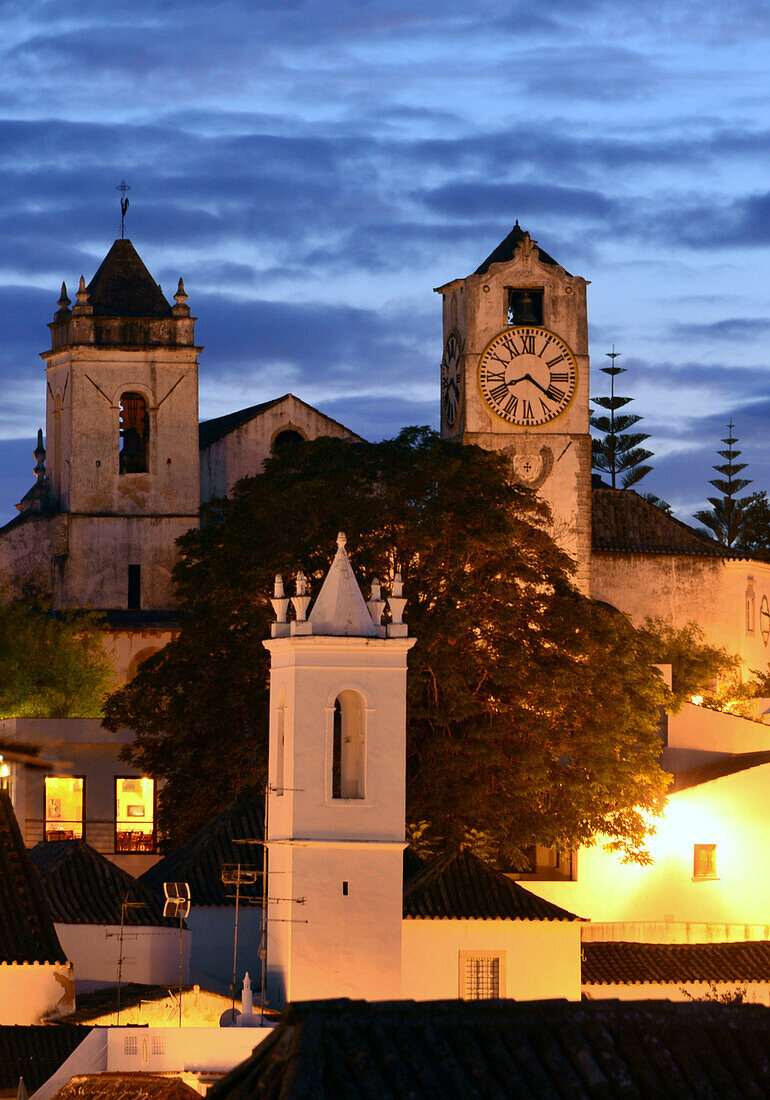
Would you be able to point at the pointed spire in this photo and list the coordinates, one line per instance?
(376, 604)
(63, 311)
(39, 453)
(181, 309)
(82, 306)
(340, 610)
(280, 602)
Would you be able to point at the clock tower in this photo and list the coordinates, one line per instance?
(514, 378)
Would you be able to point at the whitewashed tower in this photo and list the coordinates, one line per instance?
(514, 378)
(335, 831)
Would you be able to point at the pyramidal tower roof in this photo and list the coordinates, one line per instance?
(340, 609)
(123, 287)
(507, 247)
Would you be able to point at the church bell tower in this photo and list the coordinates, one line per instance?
(335, 821)
(514, 378)
(122, 437)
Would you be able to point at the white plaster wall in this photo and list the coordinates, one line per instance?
(211, 958)
(730, 812)
(31, 991)
(682, 588)
(332, 944)
(150, 954)
(242, 452)
(542, 958)
(697, 735)
(756, 992)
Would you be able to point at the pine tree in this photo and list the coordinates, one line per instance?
(725, 518)
(619, 453)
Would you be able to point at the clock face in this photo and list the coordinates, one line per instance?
(528, 376)
(451, 380)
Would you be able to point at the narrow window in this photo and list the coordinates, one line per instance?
(750, 610)
(348, 757)
(134, 430)
(704, 861)
(280, 735)
(344, 888)
(135, 815)
(134, 587)
(63, 808)
(482, 975)
(525, 306)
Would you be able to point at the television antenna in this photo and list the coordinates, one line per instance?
(237, 875)
(125, 906)
(177, 905)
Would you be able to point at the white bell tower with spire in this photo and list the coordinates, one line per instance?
(336, 800)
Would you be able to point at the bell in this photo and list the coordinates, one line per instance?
(525, 309)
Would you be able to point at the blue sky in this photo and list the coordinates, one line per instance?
(313, 170)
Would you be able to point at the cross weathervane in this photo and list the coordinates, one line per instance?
(123, 187)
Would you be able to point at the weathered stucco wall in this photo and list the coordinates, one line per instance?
(542, 958)
(242, 452)
(150, 954)
(31, 991)
(724, 597)
(27, 548)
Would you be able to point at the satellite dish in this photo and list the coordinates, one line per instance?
(229, 1018)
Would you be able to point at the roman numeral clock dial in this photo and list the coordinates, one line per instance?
(451, 380)
(528, 376)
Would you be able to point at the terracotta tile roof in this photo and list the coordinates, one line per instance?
(717, 769)
(82, 887)
(601, 1049)
(126, 1086)
(123, 287)
(624, 521)
(607, 963)
(460, 886)
(35, 1053)
(27, 934)
(506, 249)
(200, 860)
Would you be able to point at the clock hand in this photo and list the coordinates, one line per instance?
(527, 378)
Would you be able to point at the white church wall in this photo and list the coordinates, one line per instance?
(712, 592)
(31, 991)
(150, 954)
(542, 958)
(242, 452)
(730, 813)
(697, 734)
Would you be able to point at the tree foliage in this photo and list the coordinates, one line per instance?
(51, 666)
(697, 668)
(532, 711)
(617, 452)
(725, 518)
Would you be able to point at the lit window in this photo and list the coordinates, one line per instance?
(704, 861)
(482, 975)
(63, 808)
(135, 815)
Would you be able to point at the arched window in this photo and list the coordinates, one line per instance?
(280, 746)
(348, 756)
(288, 435)
(134, 430)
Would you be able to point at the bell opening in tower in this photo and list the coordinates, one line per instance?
(134, 424)
(525, 306)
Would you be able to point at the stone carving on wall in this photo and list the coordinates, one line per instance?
(530, 464)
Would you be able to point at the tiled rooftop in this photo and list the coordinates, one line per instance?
(35, 1053)
(506, 249)
(499, 1049)
(201, 859)
(616, 962)
(212, 430)
(27, 934)
(123, 287)
(126, 1086)
(82, 887)
(461, 886)
(624, 521)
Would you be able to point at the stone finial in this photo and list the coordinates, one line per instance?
(342, 540)
(39, 453)
(397, 628)
(82, 306)
(181, 309)
(64, 301)
(376, 604)
(301, 602)
(280, 602)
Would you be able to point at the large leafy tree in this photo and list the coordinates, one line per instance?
(532, 711)
(51, 666)
(754, 535)
(725, 518)
(617, 451)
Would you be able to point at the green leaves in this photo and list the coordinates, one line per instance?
(532, 712)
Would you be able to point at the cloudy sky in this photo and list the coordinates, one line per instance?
(314, 169)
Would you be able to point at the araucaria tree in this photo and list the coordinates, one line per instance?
(617, 452)
(725, 519)
(532, 711)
